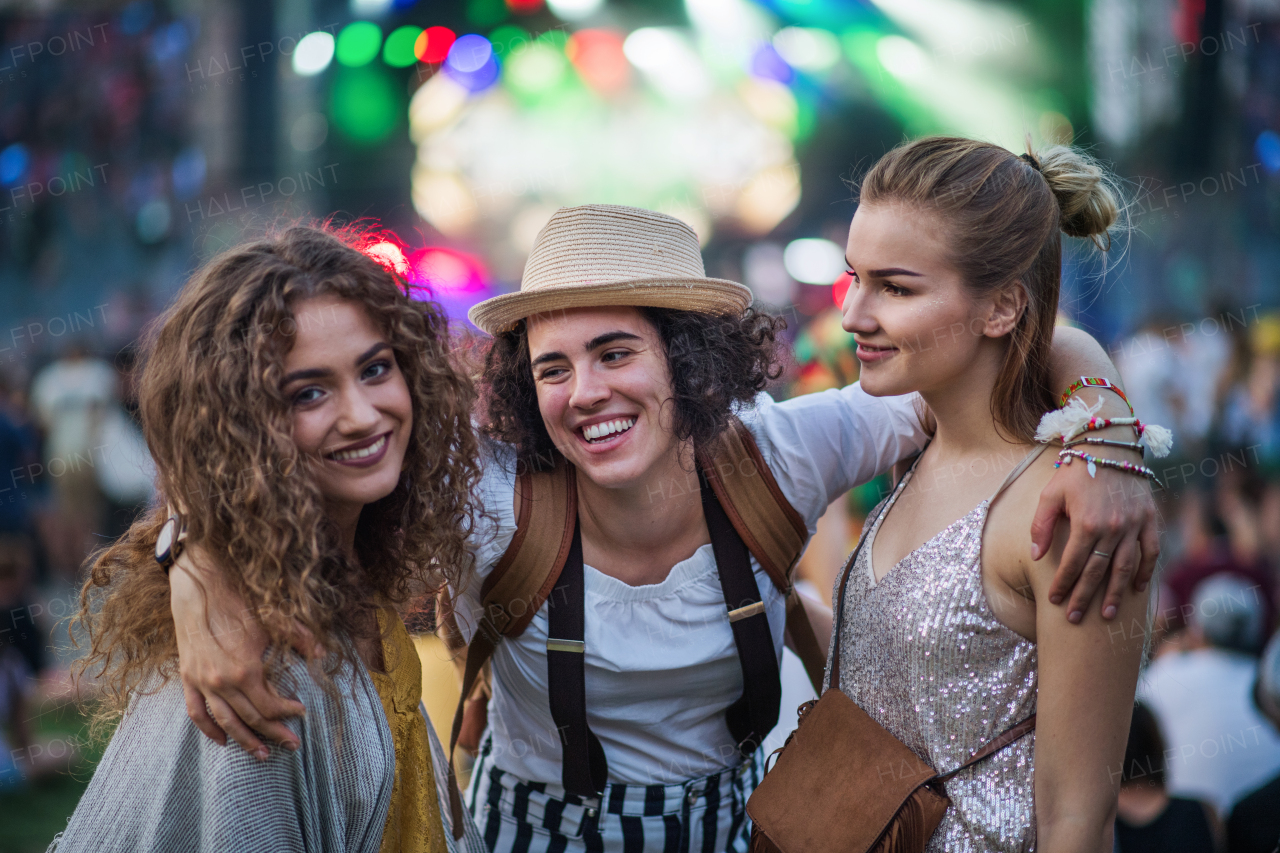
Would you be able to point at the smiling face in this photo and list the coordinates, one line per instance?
(916, 325)
(603, 385)
(352, 413)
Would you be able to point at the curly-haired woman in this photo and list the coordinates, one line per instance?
(308, 427)
(619, 361)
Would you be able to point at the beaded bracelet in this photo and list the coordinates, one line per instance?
(1127, 445)
(1077, 418)
(1093, 382)
(1066, 455)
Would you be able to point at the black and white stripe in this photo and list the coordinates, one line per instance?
(706, 815)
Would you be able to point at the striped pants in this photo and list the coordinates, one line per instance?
(706, 815)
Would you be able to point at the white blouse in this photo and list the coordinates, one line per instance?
(661, 664)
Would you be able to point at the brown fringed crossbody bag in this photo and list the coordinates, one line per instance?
(842, 782)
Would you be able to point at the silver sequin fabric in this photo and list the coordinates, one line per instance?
(923, 654)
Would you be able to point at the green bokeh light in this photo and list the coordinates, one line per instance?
(556, 38)
(535, 69)
(507, 39)
(398, 51)
(486, 13)
(358, 44)
(365, 104)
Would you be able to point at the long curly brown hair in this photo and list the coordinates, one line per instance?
(219, 429)
(714, 362)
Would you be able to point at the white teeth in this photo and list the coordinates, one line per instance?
(595, 432)
(376, 447)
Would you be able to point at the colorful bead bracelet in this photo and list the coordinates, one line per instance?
(1066, 455)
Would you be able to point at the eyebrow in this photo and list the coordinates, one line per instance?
(595, 343)
(885, 273)
(320, 372)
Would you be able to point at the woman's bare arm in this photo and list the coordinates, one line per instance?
(1087, 677)
(1113, 513)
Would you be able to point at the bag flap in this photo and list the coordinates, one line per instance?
(842, 777)
(771, 528)
(529, 568)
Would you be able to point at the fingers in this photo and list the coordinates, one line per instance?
(225, 717)
(1052, 505)
(262, 707)
(1095, 572)
(199, 715)
(304, 642)
(1149, 539)
(1124, 562)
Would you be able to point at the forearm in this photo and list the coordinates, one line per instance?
(1075, 834)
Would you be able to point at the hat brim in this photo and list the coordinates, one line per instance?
(704, 295)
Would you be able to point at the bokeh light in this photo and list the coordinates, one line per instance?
(432, 44)
(574, 10)
(358, 44)
(813, 260)
(399, 49)
(313, 53)
(471, 62)
(365, 105)
(599, 59)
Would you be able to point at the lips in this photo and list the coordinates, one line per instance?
(868, 353)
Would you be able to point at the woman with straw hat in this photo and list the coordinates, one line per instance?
(619, 363)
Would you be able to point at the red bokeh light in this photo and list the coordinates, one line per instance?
(524, 7)
(840, 287)
(388, 256)
(597, 55)
(433, 44)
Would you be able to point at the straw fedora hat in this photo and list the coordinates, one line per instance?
(605, 254)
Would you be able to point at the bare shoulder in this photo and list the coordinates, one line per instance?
(1007, 542)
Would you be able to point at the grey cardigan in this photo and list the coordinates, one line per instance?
(164, 786)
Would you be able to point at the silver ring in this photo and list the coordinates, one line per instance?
(1100, 554)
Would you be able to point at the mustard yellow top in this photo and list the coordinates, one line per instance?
(413, 823)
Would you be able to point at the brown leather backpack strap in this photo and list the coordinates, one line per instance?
(996, 744)
(771, 528)
(478, 653)
(528, 569)
(805, 640)
(518, 585)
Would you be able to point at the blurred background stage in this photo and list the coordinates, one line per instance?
(136, 140)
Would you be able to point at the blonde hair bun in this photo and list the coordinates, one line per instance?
(1086, 194)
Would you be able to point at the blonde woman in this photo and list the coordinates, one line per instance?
(947, 633)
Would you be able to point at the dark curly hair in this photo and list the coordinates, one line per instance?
(714, 362)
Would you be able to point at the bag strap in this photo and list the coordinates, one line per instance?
(993, 746)
(771, 528)
(754, 714)
(773, 531)
(996, 744)
(518, 584)
(584, 769)
(833, 680)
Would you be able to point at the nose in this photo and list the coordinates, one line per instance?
(855, 314)
(356, 412)
(589, 389)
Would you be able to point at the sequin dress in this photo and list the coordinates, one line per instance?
(924, 655)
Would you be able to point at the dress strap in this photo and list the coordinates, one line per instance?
(1017, 472)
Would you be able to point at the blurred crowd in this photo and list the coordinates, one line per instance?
(74, 470)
